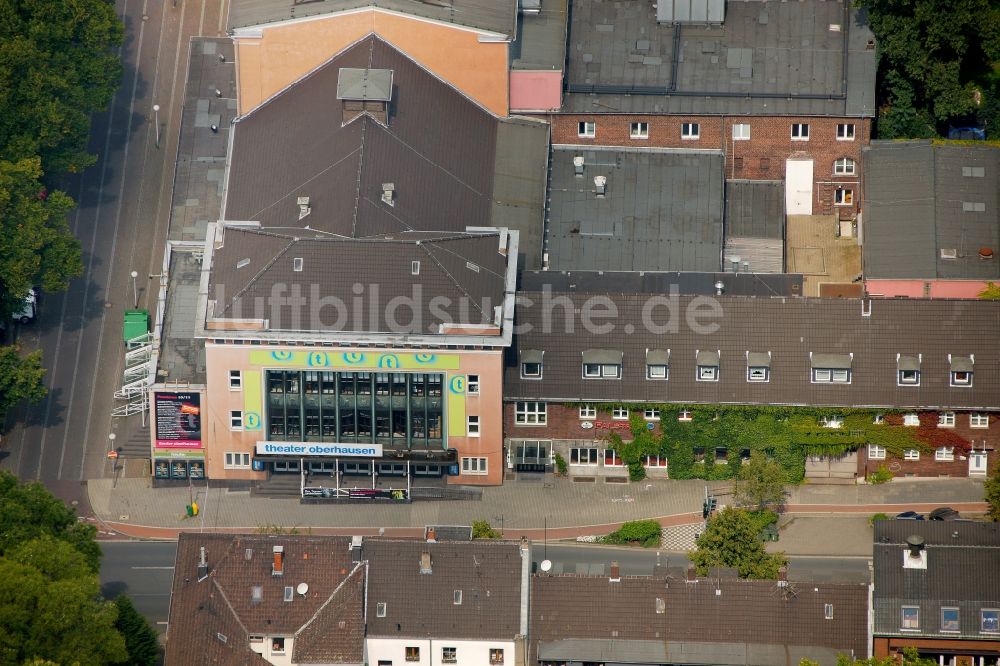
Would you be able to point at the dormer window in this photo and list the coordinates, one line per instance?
(831, 368)
(365, 92)
(708, 366)
(758, 366)
(908, 370)
(961, 369)
(531, 363)
(657, 364)
(602, 364)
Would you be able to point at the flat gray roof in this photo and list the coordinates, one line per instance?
(541, 38)
(929, 209)
(768, 58)
(662, 210)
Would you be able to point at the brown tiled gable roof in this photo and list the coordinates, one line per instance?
(790, 328)
(720, 610)
(423, 605)
(222, 604)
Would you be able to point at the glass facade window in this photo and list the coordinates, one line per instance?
(396, 409)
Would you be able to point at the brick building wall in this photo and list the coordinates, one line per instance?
(965, 652)
(761, 157)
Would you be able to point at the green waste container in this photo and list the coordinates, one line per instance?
(136, 324)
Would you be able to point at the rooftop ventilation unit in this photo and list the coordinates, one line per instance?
(304, 208)
(601, 185)
(691, 11)
(389, 194)
(531, 7)
(578, 165)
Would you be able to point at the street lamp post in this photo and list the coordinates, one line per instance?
(111, 447)
(156, 120)
(135, 290)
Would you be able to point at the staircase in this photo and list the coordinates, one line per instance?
(279, 485)
(136, 445)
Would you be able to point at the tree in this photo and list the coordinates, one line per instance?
(760, 483)
(481, 529)
(730, 540)
(991, 489)
(991, 292)
(910, 658)
(140, 639)
(21, 377)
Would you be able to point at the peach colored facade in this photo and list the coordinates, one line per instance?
(252, 361)
(535, 91)
(269, 58)
(925, 288)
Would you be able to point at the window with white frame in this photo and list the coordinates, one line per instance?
(843, 196)
(800, 131)
(528, 412)
(831, 375)
(741, 132)
(449, 655)
(656, 461)
(639, 130)
(685, 416)
(979, 420)
(235, 420)
(473, 426)
(583, 456)
(911, 419)
(587, 129)
(949, 619)
(588, 412)
(758, 374)
(989, 621)
(531, 370)
(845, 166)
(946, 420)
(237, 460)
(411, 653)
(708, 373)
(656, 371)
(472, 384)
(602, 370)
(876, 452)
(278, 645)
(832, 421)
(961, 378)
(828, 611)
(235, 380)
(690, 130)
(878, 419)
(910, 618)
(612, 459)
(651, 414)
(944, 453)
(474, 466)
(619, 413)
(380, 609)
(845, 132)
(911, 454)
(909, 378)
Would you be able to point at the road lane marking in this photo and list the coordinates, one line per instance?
(157, 568)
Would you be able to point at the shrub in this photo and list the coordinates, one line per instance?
(561, 466)
(874, 518)
(481, 529)
(645, 532)
(880, 475)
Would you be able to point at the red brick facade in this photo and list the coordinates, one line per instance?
(761, 157)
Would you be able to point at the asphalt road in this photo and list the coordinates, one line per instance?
(123, 204)
(587, 559)
(144, 570)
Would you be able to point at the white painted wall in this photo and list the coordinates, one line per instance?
(469, 653)
(798, 187)
(278, 659)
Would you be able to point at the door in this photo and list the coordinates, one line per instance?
(798, 187)
(977, 463)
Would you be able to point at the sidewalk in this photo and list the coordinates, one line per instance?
(530, 509)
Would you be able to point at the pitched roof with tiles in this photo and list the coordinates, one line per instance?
(961, 571)
(767, 58)
(496, 16)
(590, 618)
(929, 209)
(422, 605)
(211, 620)
(791, 329)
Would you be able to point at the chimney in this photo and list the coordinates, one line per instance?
(202, 566)
(782, 577)
(431, 535)
(692, 574)
(278, 568)
(389, 194)
(601, 185)
(425, 563)
(356, 542)
(578, 165)
(616, 573)
(915, 557)
(304, 207)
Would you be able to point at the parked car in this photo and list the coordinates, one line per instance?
(943, 513)
(909, 515)
(29, 311)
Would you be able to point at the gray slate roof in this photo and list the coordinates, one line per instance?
(920, 200)
(768, 58)
(789, 328)
(963, 571)
(491, 15)
(662, 210)
(422, 605)
(693, 283)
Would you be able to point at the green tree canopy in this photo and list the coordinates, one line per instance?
(21, 377)
(991, 490)
(730, 540)
(760, 483)
(140, 640)
(910, 658)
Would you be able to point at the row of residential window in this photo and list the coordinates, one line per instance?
(472, 384)
(587, 456)
(941, 453)
(825, 368)
(533, 412)
(449, 655)
(989, 620)
(587, 129)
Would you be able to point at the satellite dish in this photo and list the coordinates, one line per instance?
(546, 565)
(302, 588)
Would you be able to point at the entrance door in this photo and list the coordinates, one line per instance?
(977, 463)
(285, 466)
(799, 187)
